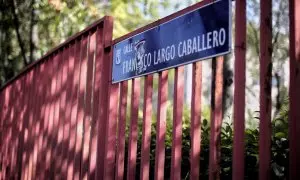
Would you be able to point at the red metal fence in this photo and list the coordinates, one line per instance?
(61, 118)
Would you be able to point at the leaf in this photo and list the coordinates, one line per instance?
(280, 135)
(205, 122)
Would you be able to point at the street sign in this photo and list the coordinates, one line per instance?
(197, 35)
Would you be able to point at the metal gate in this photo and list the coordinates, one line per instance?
(62, 118)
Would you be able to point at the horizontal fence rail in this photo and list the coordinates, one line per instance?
(62, 118)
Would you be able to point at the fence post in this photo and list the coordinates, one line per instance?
(96, 120)
(1, 128)
(177, 124)
(81, 106)
(294, 113)
(146, 136)
(216, 118)
(112, 100)
(265, 89)
(88, 105)
(162, 99)
(75, 50)
(104, 82)
(239, 91)
(121, 132)
(196, 121)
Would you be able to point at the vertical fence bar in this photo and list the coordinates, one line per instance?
(66, 107)
(21, 127)
(25, 156)
(5, 122)
(177, 124)
(50, 133)
(14, 125)
(23, 159)
(24, 137)
(7, 134)
(32, 122)
(97, 91)
(1, 127)
(37, 119)
(49, 136)
(56, 120)
(81, 105)
(196, 121)
(29, 123)
(14, 128)
(105, 168)
(17, 124)
(121, 132)
(43, 94)
(103, 101)
(69, 69)
(111, 124)
(102, 125)
(75, 51)
(146, 134)
(88, 106)
(239, 91)
(26, 117)
(32, 108)
(3, 132)
(62, 110)
(4, 138)
(265, 89)
(111, 111)
(9, 147)
(9, 129)
(294, 113)
(133, 133)
(2, 106)
(50, 84)
(109, 155)
(162, 100)
(216, 118)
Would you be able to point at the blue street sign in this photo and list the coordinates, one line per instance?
(201, 34)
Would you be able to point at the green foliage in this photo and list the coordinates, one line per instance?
(28, 29)
(279, 146)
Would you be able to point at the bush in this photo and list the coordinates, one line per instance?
(279, 149)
